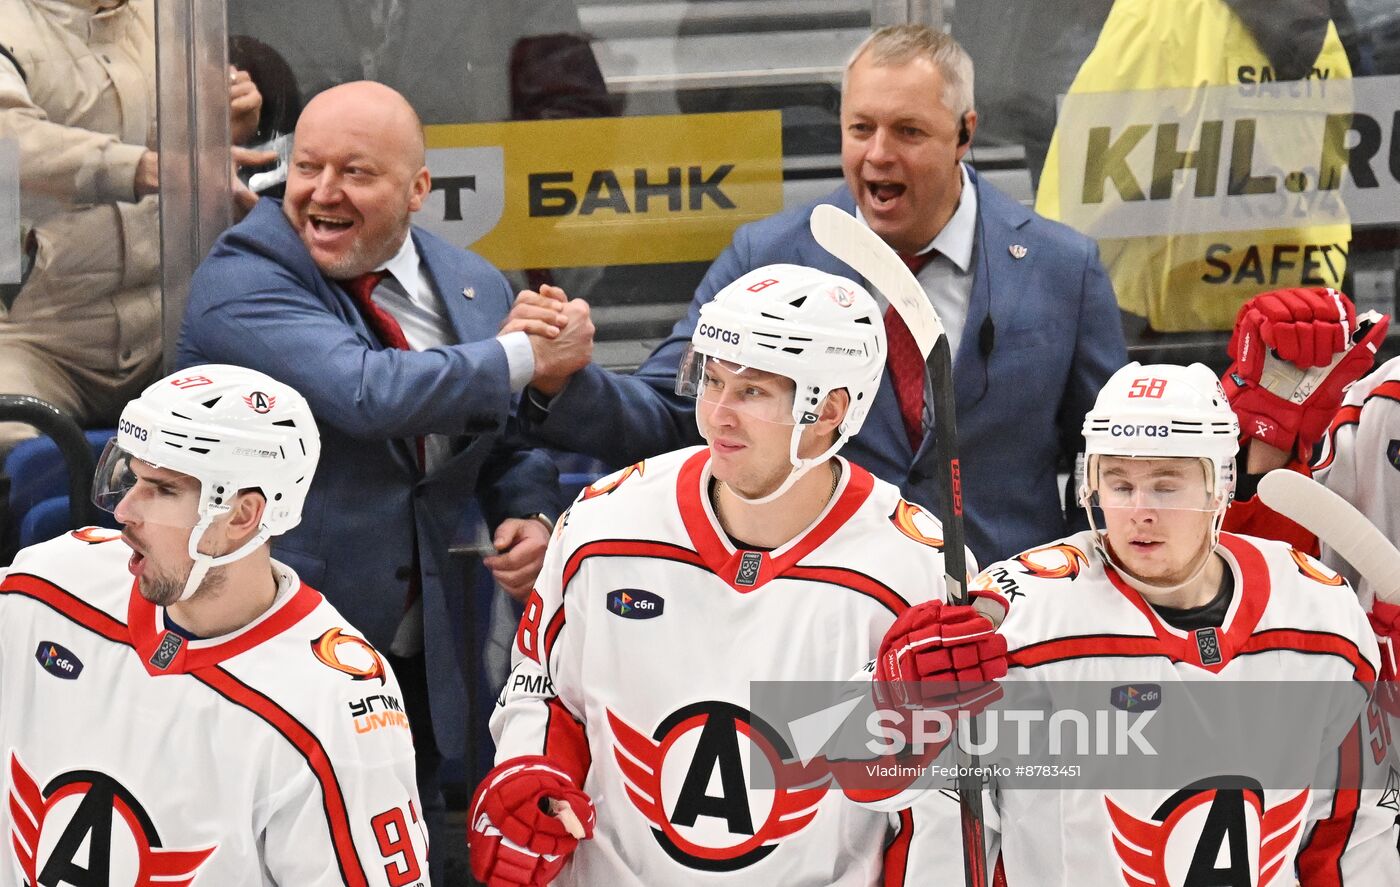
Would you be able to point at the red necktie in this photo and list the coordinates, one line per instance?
(907, 364)
(381, 323)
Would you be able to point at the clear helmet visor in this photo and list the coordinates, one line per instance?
(1134, 483)
(721, 384)
(144, 493)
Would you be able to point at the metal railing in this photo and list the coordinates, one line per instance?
(72, 446)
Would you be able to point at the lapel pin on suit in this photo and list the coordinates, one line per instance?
(1017, 251)
(469, 292)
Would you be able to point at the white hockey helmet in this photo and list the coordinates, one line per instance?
(1163, 411)
(232, 429)
(822, 331)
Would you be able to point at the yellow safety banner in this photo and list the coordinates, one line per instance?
(603, 191)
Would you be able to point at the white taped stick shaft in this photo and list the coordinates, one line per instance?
(842, 235)
(1339, 525)
(847, 239)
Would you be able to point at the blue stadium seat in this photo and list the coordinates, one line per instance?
(37, 472)
(50, 518)
(39, 487)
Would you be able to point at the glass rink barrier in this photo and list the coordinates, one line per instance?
(586, 143)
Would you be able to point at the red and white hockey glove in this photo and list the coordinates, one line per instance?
(1385, 622)
(1304, 326)
(514, 838)
(940, 656)
(1295, 353)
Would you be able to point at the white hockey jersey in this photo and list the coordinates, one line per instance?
(1359, 459)
(648, 627)
(1072, 619)
(276, 755)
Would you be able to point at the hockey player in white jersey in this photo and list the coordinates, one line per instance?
(1156, 596)
(1359, 458)
(1302, 345)
(671, 585)
(177, 708)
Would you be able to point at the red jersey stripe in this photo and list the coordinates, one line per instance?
(311, 750)
(897, 854)
(66, 604)
(1318, 642)
(1320, 862)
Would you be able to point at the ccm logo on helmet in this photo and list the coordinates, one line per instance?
(1138, 430)
(126, 426)
(710, 331)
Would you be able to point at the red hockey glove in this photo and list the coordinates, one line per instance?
(1296, 352)
(515, 840)
(1305, 327)
(1385, 622)
(940, 656)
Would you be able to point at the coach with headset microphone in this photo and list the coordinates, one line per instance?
(1028, 309)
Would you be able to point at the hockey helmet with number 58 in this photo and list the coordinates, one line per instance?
(1163, 411)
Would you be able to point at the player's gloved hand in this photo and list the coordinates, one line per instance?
(940, 656)
(1295, 353)
(1304, 326)
(514, 838)
(1385, 622)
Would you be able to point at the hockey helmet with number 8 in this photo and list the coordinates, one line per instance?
(1161, 411)
(822, 331)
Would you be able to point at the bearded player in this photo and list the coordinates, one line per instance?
(176, 707)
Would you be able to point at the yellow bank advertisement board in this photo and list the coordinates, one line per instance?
(607, 191)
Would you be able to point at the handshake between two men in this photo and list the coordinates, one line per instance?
(561, 335)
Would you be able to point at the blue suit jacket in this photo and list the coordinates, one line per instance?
(259, 301)
(1057, 340)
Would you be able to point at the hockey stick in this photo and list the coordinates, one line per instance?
(1336, 522)
(847, 239)
(842, 235)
